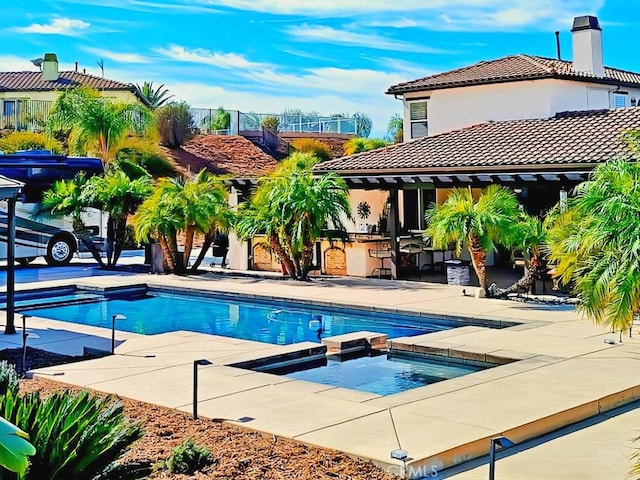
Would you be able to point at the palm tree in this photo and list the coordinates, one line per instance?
(294, 208)
(395, 127)
(119, 196)
(595, 243)
(530, 236)
(482, 224)
(65, 198)
(95, 123)
(197, 204)
(155, 97)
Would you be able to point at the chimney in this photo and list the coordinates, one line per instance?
(50, 67)
(587, 46)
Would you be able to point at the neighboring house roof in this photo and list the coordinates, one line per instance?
(568, 139)
(514, 68)
(33, 82)
(223, 154)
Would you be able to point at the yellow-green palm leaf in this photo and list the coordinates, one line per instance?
(14, 448)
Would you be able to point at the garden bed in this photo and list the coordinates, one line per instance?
(239, 453)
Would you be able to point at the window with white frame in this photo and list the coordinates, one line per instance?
(418, 119)
(619, 100)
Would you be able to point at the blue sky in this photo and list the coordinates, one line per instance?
(327, 56)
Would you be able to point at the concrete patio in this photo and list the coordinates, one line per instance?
(565, 372)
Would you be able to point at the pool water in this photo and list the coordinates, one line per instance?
(382, 374)
(278, 323)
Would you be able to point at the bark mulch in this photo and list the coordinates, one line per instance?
(239, 453)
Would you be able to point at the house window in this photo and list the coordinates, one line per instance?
(619, 100)
(9, 114)
(418, 119)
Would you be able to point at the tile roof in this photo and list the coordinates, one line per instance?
(223, 154)
(513, 68)
(33, 82)
(567, 139)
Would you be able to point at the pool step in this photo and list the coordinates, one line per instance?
(57, 301)
(355, 342)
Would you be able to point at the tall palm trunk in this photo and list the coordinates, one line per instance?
(166, 250)
(121, 229)
(478, 259)
(534, 271)
(111, 235)
(172, 241)
(276, 247)
(189, 233)
(206, 244)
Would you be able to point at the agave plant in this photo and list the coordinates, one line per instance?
(77, 436)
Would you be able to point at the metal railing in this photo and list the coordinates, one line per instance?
(32, 115)
(205, 121)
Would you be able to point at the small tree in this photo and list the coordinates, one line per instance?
(271, 122)
(119, 196)
(358, 144)
(364, 124)
(175, 124)
(395, 129)
(95, 123)
(316, 147)
(482, 224)
(221, 120)
(155, 97)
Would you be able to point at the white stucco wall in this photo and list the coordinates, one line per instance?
(456, 108)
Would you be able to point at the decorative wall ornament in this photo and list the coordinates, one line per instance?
(364, 210)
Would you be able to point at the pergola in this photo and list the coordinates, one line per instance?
(10, 190)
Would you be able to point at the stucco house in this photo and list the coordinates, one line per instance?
(26, 97)
(538, 125)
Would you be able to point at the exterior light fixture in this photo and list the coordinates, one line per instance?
(196, 363)
(497, 442)
(24, 342)
(117, 316)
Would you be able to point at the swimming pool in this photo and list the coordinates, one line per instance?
(155, 311)
(382, 373)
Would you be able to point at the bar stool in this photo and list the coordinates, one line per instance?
(381, 254)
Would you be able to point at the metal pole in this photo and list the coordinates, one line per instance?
(195, 390)
(24, 342)
(11, 266)
(113, 334)
(492, 459)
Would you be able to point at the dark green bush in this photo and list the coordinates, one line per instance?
(142, 154)
(175, 124)
(189, 457)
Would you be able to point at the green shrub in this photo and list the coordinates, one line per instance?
(29, 141)
(137, 152)
(189, 457)
(9, 379)
(271, 122)
(359, 144)
(76, 436)
(221, 120)
(175, 124)
(313, 146)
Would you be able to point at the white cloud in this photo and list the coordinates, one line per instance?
(468, 15)
(57, 26)
(116, 56)
(207, 57)
(324, 34)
